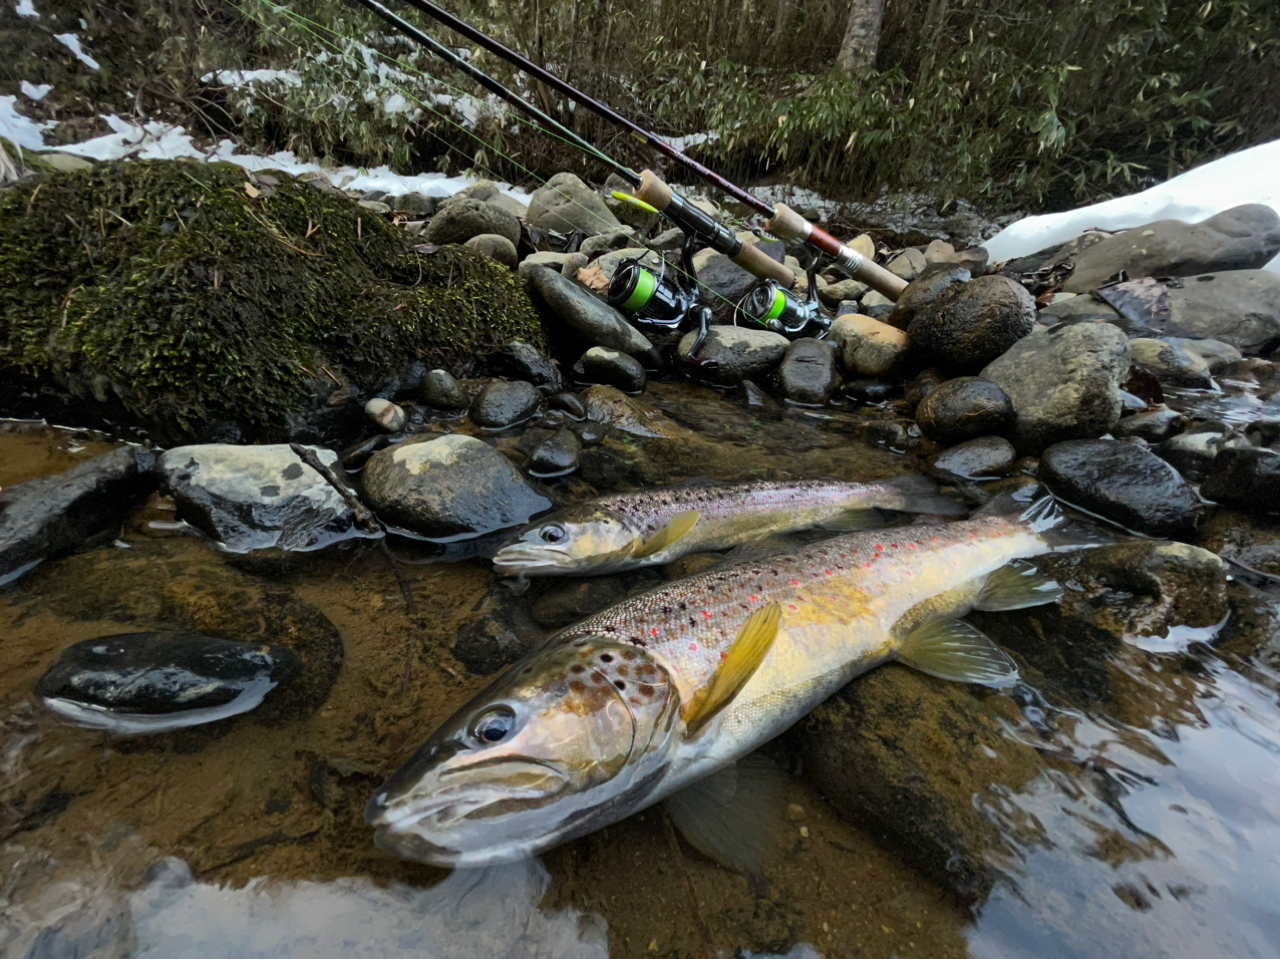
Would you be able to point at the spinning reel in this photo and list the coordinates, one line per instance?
(772, 306)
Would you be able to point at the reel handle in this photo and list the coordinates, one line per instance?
(653, 191)
(790, 225)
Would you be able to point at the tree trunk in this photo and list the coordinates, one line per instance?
(861, 35)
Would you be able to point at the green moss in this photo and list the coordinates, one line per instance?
(168, 285)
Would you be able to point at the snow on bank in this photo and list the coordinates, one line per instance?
(1250, 176)
(18, 129)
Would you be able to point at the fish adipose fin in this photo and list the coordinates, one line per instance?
(748, 651)
(1017, 586)
(953, 649)
(734, 815)
(679, 526)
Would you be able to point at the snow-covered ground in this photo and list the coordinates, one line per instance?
(1250, 176)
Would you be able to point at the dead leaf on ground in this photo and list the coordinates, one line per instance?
(252, 190)
(593, 277)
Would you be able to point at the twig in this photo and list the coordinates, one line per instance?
(311, 229)
(359, 228)
(362, 515)
(34, 193)
(66, 304)
(331, 376)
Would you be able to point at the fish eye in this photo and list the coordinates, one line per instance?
(553, 533)
(493, 725)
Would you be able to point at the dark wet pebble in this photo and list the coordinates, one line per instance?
(972, 324)
(1191, 454)
(153, 682)
(808, 373)
(449, 487)
(1245, 478)
(552, 420)
(612, 368)
(569, 404)
(1154, 425)
(256, 497)
(499, 631)
(504, 403)
(556, 456)
(441, 391)
(356, 455)
(589, 432)
(871, 392)
(755, 399)
(602, 468)
(924, 383)
(527, 362)
(984, 456)
(965, 408)
(1124, 482)
(569, 601)
(54, 515)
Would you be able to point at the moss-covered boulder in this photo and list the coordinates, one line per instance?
(179, 294)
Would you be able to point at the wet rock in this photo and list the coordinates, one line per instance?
(755, 399)
(54, 515)
(1123, 482)
(908, 264)
(1240, 307)
(1077, 309)
(1215, 354)
(1191, 454)
(915, 761)
(449, 487)
(1246, 478)
(985, 456)
(569, 403)
(499, 632)
(875, 304)
(136, 683)
(374, 206)
(868, 347)
(496, 246)
(607, 404)
(566, 204)
(569, 601)
(833, 294)
(550, 259)
(871, 392)
(589, 432)
(1154, 425)
(387, 416)
(1241, 238)
(355, 456)
(556, 456)
(504, 403)
(599, 365)
(256, 497)
(965, 408)
(441, 391)
(528, 363)
(808, 372)
(461, 220)
(1170, 363)
(602, 468)
(924, 383)
(973, 324)
(740, 352)
(1064, 383)
(591, 319)
(936, 282)
(939, 251)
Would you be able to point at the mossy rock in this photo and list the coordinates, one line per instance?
(171, 293)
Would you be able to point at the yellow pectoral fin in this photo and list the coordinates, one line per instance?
(680, 525)
(754, 641)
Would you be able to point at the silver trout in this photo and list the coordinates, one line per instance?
(620, 710)
(650, 527)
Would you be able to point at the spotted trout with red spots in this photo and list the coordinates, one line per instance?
(620, 710)
(650, 527)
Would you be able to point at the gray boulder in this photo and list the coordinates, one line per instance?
(496, 246)
(462, 220)
(255, 497)
(1124, 482)
(1246, 478)
(808, 372)
(1170, 363)
(965, 408)
(908, 264)
(1242, 238)
(971, 325)
(439, 390)
(741, 353)
(449, 487)
(1064, 383)
(591, 319)
(601, 365)
(504, 403)
(1241, 308)
(566, 204)
(54, 515)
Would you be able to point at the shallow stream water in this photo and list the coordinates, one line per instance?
(1151, 829)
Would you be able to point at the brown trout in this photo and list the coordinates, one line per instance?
(620, 710)
(647, 528)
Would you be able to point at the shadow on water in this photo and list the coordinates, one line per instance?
(1148, 826)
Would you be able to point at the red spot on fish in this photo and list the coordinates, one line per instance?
(706, 613)
(867, 565)
(999, 534)
(755, 599)
(972, 536)
(653, 631)
(913, 545)
(828, 572)
(795, 582)
(724, 655)
(792, 606)
(908, 572)
(879, 546)
(693, 647)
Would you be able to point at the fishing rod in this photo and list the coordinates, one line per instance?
(783, 221)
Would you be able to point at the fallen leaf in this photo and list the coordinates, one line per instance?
(252, 190)
(593, 277)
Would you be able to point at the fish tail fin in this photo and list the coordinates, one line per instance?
(918, 494)
(1045, 516)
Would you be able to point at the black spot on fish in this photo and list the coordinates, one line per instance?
(269, 491)
(292, 471)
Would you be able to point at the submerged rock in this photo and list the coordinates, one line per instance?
(1247, 478)
(1123, 482)
(571, 600)
(971, 325)
(1191, 454)
(155, 682)
(741, 353)
(594, 321)
(1064, 383)
(606, 404)
(965, 408)
(601, 365)
(985, 456)
(567, 205)
(441, 391)
(448, 488)
(54, 515)
(255, 497)
(808, 372)
(499, 631)
(556, 456)
(504, 403)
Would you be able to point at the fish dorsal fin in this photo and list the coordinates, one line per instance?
(734, 815)
(1017, 586)
(953, 649)
(679, 526)
(754, 641)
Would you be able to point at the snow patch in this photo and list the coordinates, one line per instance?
(25, 9)
(35, 91)
(243, 78)
(18, 129)
(1249, 176)
(72, 43)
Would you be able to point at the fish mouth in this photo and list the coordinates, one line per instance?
(527, 557)
(437, 808)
